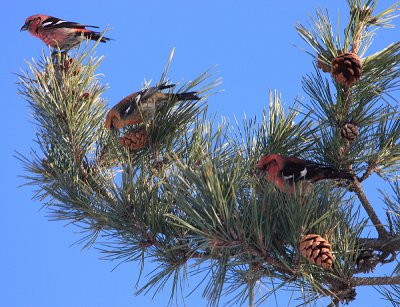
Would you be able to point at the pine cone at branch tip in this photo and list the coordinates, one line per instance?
(135, 140)
(316, 250)
(346, 68)
(349, 131)
(85, 96)
(345, 295)
(367, 261)
(66, 66)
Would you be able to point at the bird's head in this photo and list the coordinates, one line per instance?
(269, 166)
(263, 163)
(32, 23)
(266, 162)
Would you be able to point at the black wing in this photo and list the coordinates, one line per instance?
(144, 94)
(294, 171)
(53, 22)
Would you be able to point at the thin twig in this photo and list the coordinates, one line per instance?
(368, 172)
(278, 265)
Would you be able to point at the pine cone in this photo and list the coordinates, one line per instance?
(345, 294)
(346, 68)
(316, 250)
(85, 96)
(135, 140)
(349, 132)
(366, 261)
(67, 65)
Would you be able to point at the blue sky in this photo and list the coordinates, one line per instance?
(252, 44)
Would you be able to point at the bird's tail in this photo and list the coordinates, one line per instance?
(95, 36)
(333, 173)
(187, 96)
(179, 96)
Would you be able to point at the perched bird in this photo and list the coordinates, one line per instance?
(132, 109)
(286, 172)
(56, 32)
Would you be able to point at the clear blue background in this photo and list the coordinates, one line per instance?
(252, 43)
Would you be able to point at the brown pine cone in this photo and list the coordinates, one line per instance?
(85, 96)
(316, 250)
(67, 66)
(346, 68)
(135, 140)
(366, 261)
(349, 131)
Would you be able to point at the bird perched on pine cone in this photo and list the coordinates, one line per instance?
(285, 172)
(132, 109)
(56, 32)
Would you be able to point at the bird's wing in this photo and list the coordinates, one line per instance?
(144, 94)
(294, 170)
(53, 22)
(126, 106)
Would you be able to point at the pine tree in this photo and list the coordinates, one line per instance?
(183, 191)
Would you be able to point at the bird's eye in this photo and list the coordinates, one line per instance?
(38, 19)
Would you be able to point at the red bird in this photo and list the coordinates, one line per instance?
(55, 32)
(131, 109)
(286, 172)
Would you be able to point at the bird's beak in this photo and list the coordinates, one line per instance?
(24, 28)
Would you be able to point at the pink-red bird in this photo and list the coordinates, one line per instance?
(285, 172)
(56, 32)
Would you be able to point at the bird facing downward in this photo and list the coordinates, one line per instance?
(55, 32)
(284, 172)
(132, 109)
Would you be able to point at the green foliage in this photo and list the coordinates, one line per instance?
(391, 294)
(193, 202)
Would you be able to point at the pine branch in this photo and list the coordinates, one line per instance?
(382, 232)
(371, 168)
(374, 281)
(388, 245)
